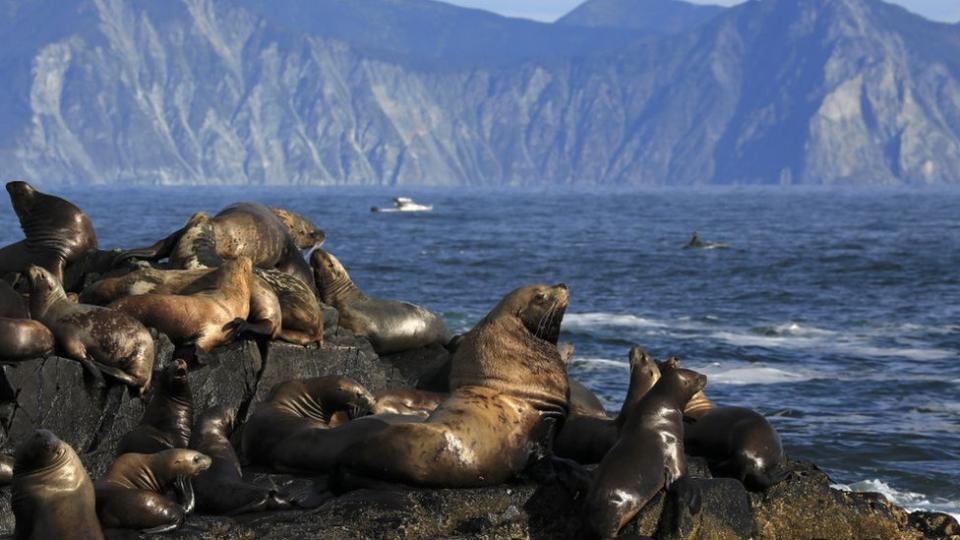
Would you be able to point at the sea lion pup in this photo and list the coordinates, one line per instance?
(206, 318)
(509, 392)
(407, 401)
(168, 417)
(240, 230)
(220, 489)
(305, 234)
(587, 438)
(99, 338)
(302, 320)
(57, 232)
(647, 457)
(53, 496)
(131, 493)
(391, 326)
(296, 406)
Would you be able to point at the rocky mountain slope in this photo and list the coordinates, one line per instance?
(417, 92)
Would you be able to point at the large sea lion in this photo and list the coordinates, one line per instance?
(100, 338)
(509, 392)
(53, 496)
(296, 406)
(131, 493)
(391, 326)
(221, 489)
(57, 232)
(206, 318)
(168, 417)
(586, 438)
(240, 230)
(647, 457)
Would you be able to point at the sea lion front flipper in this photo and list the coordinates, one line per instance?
(116, 373)
(184, 489)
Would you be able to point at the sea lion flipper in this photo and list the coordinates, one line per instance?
(163, 528)
(114, 372)
(185, 494)
(160, 250)
(93, 369)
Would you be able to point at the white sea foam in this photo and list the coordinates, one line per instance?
(599, 363)
(907, 499)
(589, 321)
(752, 375)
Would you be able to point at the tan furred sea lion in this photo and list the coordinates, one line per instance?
(53, 496)
(100, 338)
(509, 391)
(647, 457)
(205, 318)
(240, 230)
(302, 319)
(587, 438)
(57, 232)
(131, 493)
(299, 405)
(390, 325)
(168, 417)
(304, 233)
(221, 489)
(265, 317)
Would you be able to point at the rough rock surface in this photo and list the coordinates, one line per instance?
(52, 393)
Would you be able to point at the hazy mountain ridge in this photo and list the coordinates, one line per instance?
(790, 91)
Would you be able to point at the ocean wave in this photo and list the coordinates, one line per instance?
(832, 343)
(589, 321)
(598, 363)
(752, 375)
(907, 499)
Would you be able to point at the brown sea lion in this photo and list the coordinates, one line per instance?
(131, 493)
(699, 404)
(391, 326)
(23, 339)
(304, 233)
(647, 457)
(100, 338)
(299, 405)
(587, 438)
(738, 443)
(53, 496)
(221, 489)
(407, 401)
(206, 318)
(57, 232)
(265, 316)
(168, 417)
(240, 230)
(302, 319)
(509, 391)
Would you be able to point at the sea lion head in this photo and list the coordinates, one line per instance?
(44, 289)
(681, 385)
(23, 196)
(347, 394)
(304, 233)
(175, 375)
(328, 273)
(42, 451)
(539, 307)
(644, 364)
(183, 462)
(566, 350)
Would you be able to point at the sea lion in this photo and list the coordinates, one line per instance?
(696, 243)
(265, 317)
(131, 493)
(206, 318)
(221, 489)
(99, 338)
(240, 230)
(509, 392)
(57, 232)
(583, 402)
(302, 319)
(587, 438)
(6, 469)
(53, 496)
(305, 234)
(23, 339)
(647, 456)
(12, 304)
(168, 417)
(699, 404)
(391, 326)
(296, 406)
(407, 401)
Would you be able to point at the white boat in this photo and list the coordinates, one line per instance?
(404, 204)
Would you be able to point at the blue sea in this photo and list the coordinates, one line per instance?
(836, 312)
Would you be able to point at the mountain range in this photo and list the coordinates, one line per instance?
(418, 92)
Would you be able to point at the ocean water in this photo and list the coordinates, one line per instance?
(836, 313)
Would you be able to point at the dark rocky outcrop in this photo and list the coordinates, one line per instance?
(52, 393)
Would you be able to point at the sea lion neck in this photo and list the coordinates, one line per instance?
(340, 287)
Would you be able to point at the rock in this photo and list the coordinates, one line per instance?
(698, 508)
(934, 525)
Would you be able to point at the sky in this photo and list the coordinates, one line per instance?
(550, 10)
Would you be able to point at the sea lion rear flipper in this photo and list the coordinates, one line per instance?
(116, 373)
(93, 369)
(184, 489)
